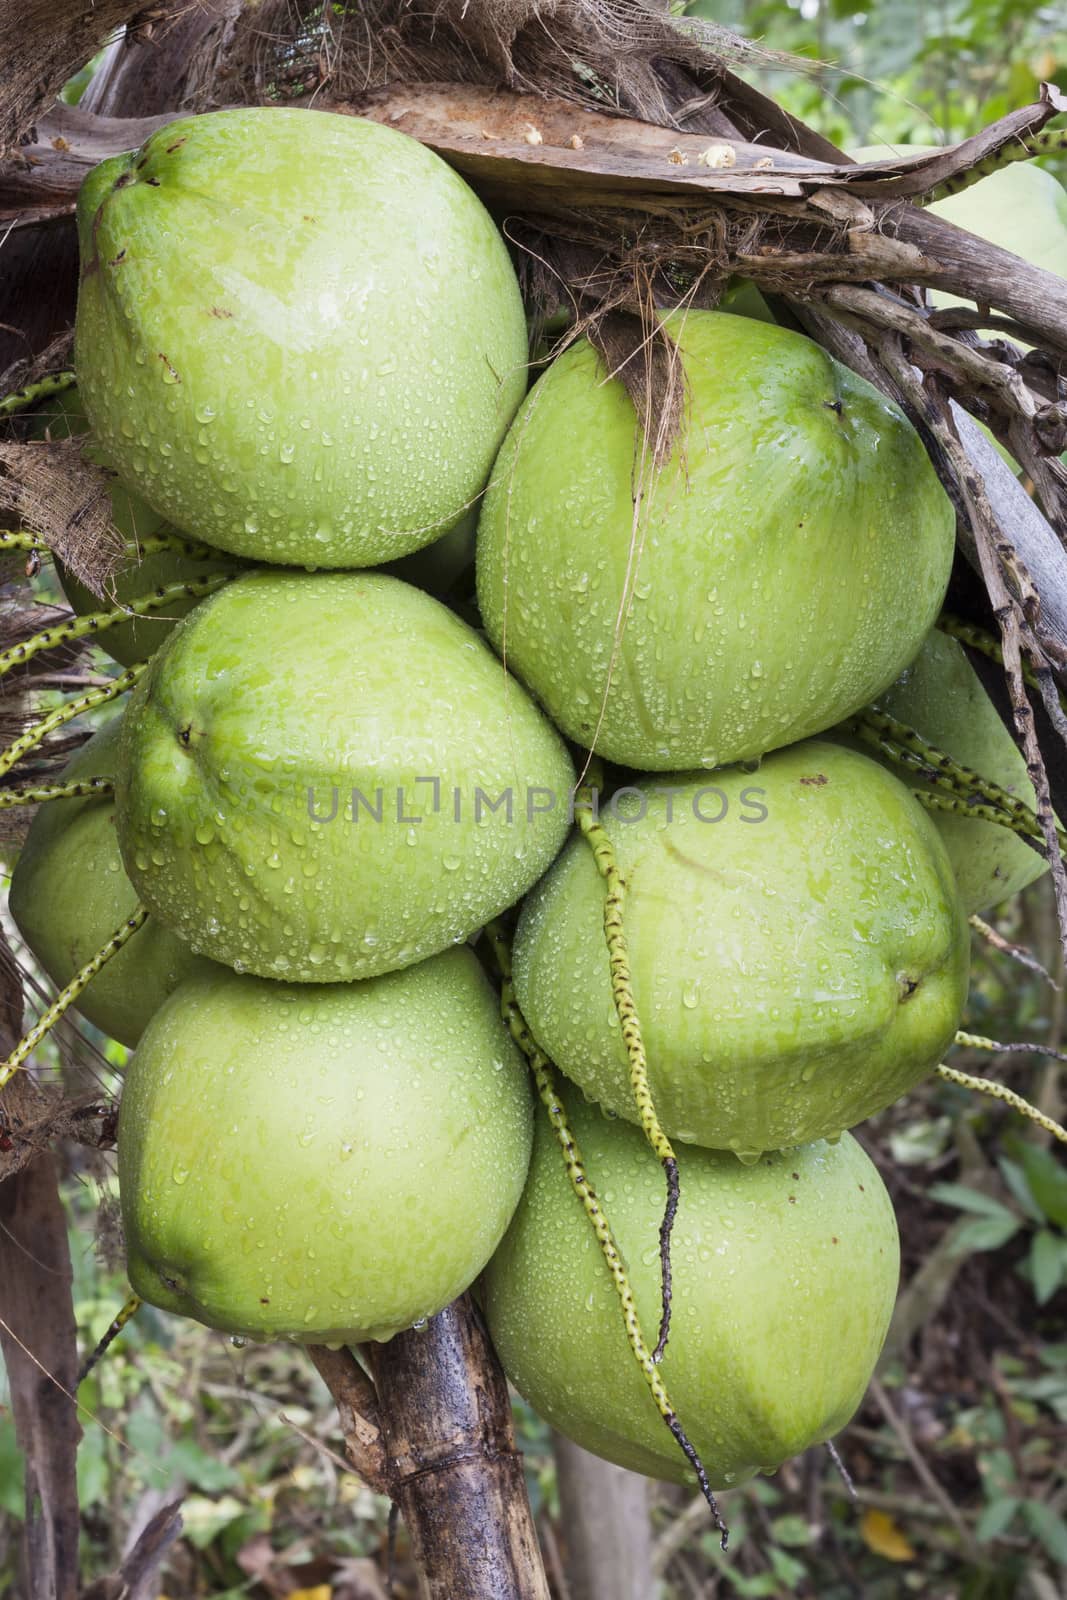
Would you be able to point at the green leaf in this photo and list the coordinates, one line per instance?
(1048, 1264)
(986, 1233)
(919, 1142)
(996, 1518)
(205, 1519)
(791, 1530)
(998, 1470)
(12, 1499)
(964, 1199)
(760, 1585)
(203, 1470)
(1047, 1178)
(1048, 1528)
(787, 1568)
(92, 1469)
(145, 1432)
(1015, 1178)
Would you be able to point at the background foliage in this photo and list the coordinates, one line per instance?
(903, 71)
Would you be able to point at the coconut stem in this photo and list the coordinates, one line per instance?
(37, 793)
(978, 1041)
(954, 805)
(20, 539)
(130, 1309)
(607, 865)
(66, 713)
(1025, 148)
(152, 544)
(997, 1091)
(99, 621)
(976, 638)
(965, 792)
(1017, 952)
(544, 1078)
(67, 996)
(908, 749)
(44, 389)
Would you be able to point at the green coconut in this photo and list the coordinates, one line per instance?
(941, 696)
(330, 776)
(69, 894)
(327, 1162)
(798, 952)
(299, 334)
(785, 1274)
(780, 570)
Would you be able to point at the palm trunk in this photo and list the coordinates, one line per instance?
(607, 1531)
(456, 1472)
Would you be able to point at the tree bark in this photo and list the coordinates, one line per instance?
(43, 43)
(171, 68)
(455, 1470)
(37, 1340)
(607, 1530)
(37, 1336)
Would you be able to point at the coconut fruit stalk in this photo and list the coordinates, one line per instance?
(458, 1475)
(139, 573)
(941, 696)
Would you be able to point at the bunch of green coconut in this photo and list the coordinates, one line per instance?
(302, 350)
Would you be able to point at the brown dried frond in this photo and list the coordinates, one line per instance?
(16, 714)
(52, 490)
(21, 617)
(650, 369)
(616, 272)
(109, 1239)
(626, 57)
(48, 41)
(22, 687)
(34, 1118)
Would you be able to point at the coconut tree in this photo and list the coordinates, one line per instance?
(633, 171)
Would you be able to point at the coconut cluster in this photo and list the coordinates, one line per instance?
(301, 344)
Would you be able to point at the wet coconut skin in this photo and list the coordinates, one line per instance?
(69, 894)
(279, 691)
(274, 344)
(785, 565)
(793, 974)
(785, 1274)
(322, 1162)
